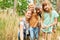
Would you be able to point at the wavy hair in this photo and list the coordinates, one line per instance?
(46, 2)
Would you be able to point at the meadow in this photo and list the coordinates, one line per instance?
(9, 26)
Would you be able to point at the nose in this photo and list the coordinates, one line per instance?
(29, 15)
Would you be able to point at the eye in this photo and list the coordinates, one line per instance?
(28, 13)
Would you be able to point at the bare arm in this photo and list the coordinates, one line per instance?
(21, 32)
(54, 23)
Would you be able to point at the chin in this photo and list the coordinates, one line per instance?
(46, 10)
(28, 17)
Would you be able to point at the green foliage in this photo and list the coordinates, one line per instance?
(53, 2)
(6, 4)
(21, 6)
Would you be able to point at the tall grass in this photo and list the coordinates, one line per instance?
(8, 26)
(59, 18)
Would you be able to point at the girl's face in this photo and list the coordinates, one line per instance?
(31, 8)
(39, 10)
(28, 14)
(46, 8)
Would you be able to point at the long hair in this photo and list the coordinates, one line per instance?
(46, 2)
(26, 13)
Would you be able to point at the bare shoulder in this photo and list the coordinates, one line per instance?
(21, 19)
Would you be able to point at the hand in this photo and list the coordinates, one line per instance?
(46, 27)
(43, 27)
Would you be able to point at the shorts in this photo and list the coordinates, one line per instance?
(49, 30)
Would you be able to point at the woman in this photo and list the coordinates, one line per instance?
(50, 19)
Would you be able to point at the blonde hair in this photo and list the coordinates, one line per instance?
(30, 4)
(44, 3)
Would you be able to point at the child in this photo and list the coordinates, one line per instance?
(50, 19)
(39, 13)
(33, 23)
(24, 26)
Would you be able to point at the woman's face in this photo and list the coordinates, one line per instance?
(28, 14)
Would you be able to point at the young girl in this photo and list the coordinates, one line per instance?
(39, 13)
(50, 19)
(24, 26)
(33, 23)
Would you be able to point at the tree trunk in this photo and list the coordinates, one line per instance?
(15, 4)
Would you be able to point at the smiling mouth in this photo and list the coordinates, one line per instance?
(46, 8)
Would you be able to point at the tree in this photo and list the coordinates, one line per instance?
(6, 4)
(15, 4)
(54, 3)
(21, 6)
